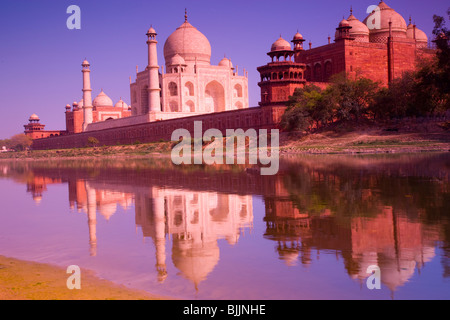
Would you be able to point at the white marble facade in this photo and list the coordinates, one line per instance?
(188, 83)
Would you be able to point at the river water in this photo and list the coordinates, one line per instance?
(226, 232)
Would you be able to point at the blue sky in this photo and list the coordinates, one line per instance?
(40, 58)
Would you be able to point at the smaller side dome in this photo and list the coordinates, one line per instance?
(177, 60)
(102, 100)
(280, 45)
(421, 36)
(121, 104)
(358, 28)
(344, 23)
(359, 31)
(151, 31)
(225, 62)
(298, 36)
(81, 103)
(34, 117)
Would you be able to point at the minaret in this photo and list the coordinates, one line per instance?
(390, 55)
(154, 102)
(298, 46)
(87, 98)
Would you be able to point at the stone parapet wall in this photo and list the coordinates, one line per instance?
(265, 117)
(121, 122)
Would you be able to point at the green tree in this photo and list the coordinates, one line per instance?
(351, 99)
(397, 100)
(304, 109)
(434, 77)
(20, 142)
(424, 91)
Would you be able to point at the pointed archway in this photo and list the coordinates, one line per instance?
(214, 97)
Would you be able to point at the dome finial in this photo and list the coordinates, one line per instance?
(185, 14)
(351, 10)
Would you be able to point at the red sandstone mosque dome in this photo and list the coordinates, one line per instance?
(34, 117)
(297, 36)
(280, 45)
(344, 23)
(189, 43)
(386, 15)
(359, 30)
(102, 100)
(421, 36)
(412, 32)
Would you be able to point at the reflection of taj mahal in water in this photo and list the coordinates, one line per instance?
(195, 217)
(195, 221)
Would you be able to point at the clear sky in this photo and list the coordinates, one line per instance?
(40, 58)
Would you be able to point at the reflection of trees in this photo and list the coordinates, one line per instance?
(349, 190)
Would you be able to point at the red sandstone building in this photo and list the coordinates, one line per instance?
(35, 129)
(380, 48)
(103, 109)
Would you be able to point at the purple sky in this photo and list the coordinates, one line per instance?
(40, 59)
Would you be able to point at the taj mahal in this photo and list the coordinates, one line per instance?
(187, 85)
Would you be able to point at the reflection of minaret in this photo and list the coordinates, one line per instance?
(160, 236)
(92, 218)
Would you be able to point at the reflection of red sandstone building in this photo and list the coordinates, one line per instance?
(380, 48)
(390, 240)
(37, 185)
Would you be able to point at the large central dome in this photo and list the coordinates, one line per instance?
(386, 15)
(189, 43)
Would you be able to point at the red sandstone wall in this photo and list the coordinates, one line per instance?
(367, 60)
(266, 117)
(45, 134)
(317, 58)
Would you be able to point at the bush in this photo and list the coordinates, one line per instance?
(20, 142)
(92, 142)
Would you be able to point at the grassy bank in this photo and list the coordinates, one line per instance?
(361, 139)
(157, 148)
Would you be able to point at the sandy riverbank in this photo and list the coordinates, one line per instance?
(24, 280)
